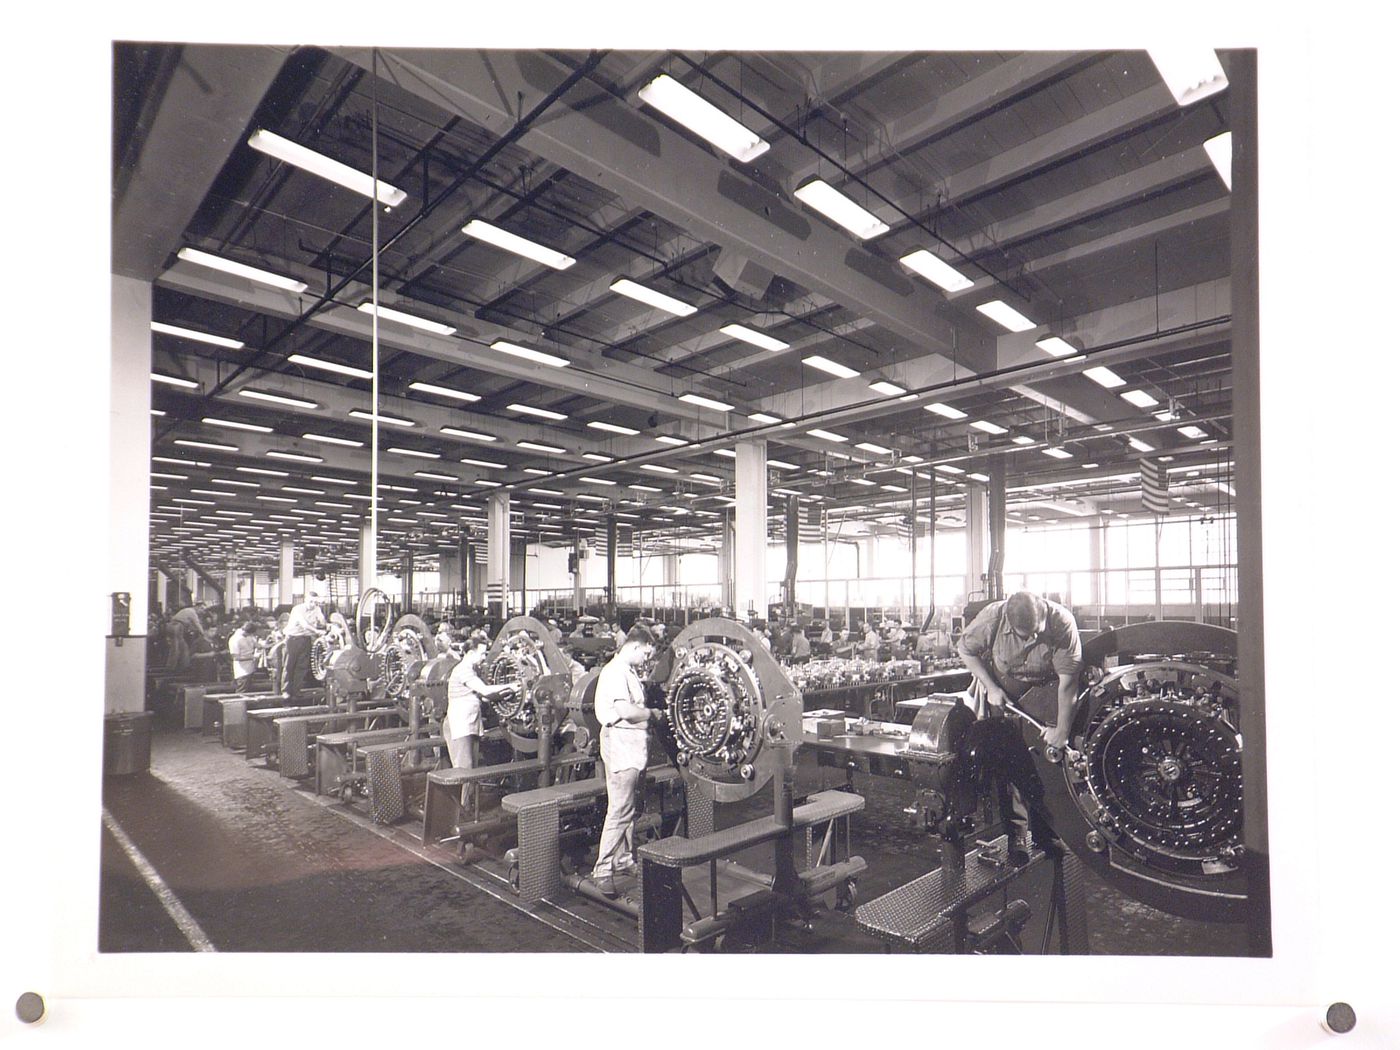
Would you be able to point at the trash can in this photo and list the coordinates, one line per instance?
(127, 743)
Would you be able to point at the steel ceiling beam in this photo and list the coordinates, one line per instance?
(604, 140)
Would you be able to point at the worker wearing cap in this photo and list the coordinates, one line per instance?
(619, 701)
(465, 691)
(1012, 646)
(304, 623)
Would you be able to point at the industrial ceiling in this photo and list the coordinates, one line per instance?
(1072, 187)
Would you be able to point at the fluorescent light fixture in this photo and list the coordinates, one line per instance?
(443, 391)
(295, 457)
(473, 434)
(539, 357)
(274, 499)
(1193, 432)
(657, 468)
(598, 481)
(1089, 466)
(252, 273)
(391, 420)
(754, 337)
(763, 417)
(1164, 416)
(334, 506)
(202, 337)
(174, 381)
(334, 440)
(979, 477)
(329, 366)
(542, 413)
(170, 477)
(894, 488)
(705, 119)
(946, 411)
(235, 425)
(1139, 398)
(157, 412)
(511, 242)
(652, 298)
(783, 464)
(888, 389)
(986, 427)
(705, 402)
(1011, 320)
(206, 444)
(195, 502)
(538, 472)
(879, 450)
(1218, 150)
(590, 497)
(421, 323)
(948, 468)
(332, 481)
(1105, 377)
(598, 457)
(305, 492)
(262, 470)
(1056, 347)
(834, 368)
(708, 477)
(1021, 439)
(546, 492)
(319, 164)
(927, 265)
(644, 488)
(534, 446)
(487, 484)
(1057, 453)
(1141, 446)
(431, 476)
(1190, 73)
(913, 459)
(667, 439)
(840, 209)
(211, 492)
(861, 481)
(827, 435)
(277, 399)
(415, 452)
(727, 453)
(612, 428)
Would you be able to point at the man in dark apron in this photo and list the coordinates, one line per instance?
(1011, 647)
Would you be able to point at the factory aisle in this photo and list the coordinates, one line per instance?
(261, 867)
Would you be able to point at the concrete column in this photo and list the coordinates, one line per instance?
(976, 538)
(1098, 535)
(194, 586)
(286, 566)
(751, 529)
(162, 582)
(230, 588)
(612, 559)
(498, 553)
(129, 490)
(996, 527)
(366, 562)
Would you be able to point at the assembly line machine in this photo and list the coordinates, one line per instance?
(1147, 795)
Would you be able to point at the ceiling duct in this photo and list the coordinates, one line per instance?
(735, 273)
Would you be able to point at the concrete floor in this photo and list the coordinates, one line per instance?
(262, 865)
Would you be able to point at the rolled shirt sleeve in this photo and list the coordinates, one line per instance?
(977, 639)
(1063, 634)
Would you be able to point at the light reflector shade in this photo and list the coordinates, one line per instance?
(1056, 347)
(329, 366)
(830, 367)
(1190, 73)
(1010, 319)
(946, 411)
(319, 164)
(539, 357)
(421, 323)
(754, 337)
(1105, 377)
(840, 209)
(929, 266)
(711, 123)
(1218, 150)
(238, 269)
(444, 391)
(201, 337)
(706, 402)
(653, 298)
(484, 231)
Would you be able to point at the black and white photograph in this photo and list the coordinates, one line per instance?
(815, 502)
(669, 501)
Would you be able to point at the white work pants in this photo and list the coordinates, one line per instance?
(615, 848)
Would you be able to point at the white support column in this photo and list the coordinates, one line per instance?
(367, 560)
(751, 529)
(161, 582)
(498, 553)
(1097, 541)
(230, 588)
(194, 586)
(129, 478)
(286, 566)
(670, 576)
(976, 537)
(726, 561)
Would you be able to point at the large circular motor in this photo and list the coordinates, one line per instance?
(524, 657)
(727, 703)
(1157, 776)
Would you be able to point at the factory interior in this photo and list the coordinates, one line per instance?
(778, 387)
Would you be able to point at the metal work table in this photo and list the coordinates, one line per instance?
(864, 697)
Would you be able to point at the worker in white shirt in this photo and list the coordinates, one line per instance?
(465, 691)
(304, 623)
(554, 631)
(243, 647)
(619, 701)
